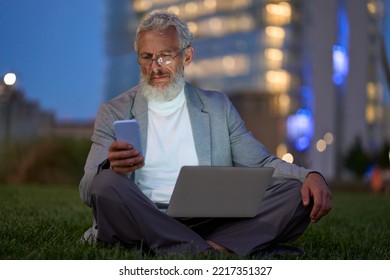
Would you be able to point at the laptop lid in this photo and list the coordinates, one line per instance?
(210, 191)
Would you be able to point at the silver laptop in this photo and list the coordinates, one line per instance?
(209, 191)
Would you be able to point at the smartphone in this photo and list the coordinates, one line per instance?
(128, 131)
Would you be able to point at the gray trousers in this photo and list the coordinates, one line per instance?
(124, 214)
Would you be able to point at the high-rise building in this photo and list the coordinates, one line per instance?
(122, 69)
(305, 75)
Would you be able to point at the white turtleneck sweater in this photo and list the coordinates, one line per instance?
(170, 145)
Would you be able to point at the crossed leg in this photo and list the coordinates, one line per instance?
(124, 214)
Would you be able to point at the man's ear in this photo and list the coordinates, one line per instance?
(188, 55)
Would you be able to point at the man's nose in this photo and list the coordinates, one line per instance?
(155, 65)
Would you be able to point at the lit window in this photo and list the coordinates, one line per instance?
(229, 62)
(174, 9)
(371, 91)
(191, 7)
(284, 104)
(193, 28)
(273, 57)
(274, 36)
(215, 25)
(278, 80)
(231, 65)
(370, 114)
(219, 26)
(210, 4)
(371, 7)
(142, 5)
(278, 13)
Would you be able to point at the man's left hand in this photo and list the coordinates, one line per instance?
(316, 187)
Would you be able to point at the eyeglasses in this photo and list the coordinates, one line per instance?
(147, 60)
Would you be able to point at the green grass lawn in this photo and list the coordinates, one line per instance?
(39, 222)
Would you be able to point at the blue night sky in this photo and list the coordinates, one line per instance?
(56, 48)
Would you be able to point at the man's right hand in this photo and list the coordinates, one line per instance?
(124, 158)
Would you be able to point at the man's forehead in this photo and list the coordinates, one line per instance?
(158, 40)
(170, 32)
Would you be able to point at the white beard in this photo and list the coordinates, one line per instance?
(164, 94)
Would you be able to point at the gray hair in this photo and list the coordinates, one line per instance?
(161, 20)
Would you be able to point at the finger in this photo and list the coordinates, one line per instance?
(326, 205)
(127, 169)
(305, 193)
(118, 145)
(128, 154)
(127, 161)
(317, 206)
(122, 155)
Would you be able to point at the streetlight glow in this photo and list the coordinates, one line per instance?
(10, 79)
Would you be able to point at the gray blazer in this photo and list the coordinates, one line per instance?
(220, 136)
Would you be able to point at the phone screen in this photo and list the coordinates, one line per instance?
(129, 131)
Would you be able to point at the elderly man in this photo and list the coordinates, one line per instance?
(184, 125)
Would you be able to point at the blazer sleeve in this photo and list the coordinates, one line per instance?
(102, 138)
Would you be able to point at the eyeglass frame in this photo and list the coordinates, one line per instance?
(159, 60)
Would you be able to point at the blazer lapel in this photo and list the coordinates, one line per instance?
(200, 122)
(140, 111)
